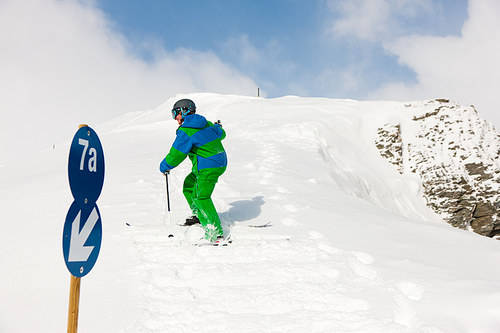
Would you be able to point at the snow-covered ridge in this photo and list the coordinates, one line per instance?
(352, 245)
(456, 154)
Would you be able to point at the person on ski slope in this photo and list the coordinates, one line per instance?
(201, 141)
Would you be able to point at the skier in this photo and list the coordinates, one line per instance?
(201, 141)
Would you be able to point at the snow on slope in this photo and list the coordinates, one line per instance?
(352, 246)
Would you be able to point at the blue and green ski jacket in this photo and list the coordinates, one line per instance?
(199, 139)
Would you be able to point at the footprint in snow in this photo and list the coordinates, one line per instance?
(291, 208)
(411, 290)
(404, 313)
(289, 221)
(363, 257)
(316, 235)
(361, 266)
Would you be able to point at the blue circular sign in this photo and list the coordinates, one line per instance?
(86, 167)
(82, 236)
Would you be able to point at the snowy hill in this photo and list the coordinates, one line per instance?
(352, 245)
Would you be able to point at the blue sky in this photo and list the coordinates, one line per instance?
(284, 46)
(66, 62)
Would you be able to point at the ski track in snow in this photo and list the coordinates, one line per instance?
(266, 285)
(264, 282)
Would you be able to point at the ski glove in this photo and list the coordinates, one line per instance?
(164, 167)
(218, 123)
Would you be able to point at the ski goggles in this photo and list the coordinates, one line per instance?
(177, 111)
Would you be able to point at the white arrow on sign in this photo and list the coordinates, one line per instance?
(77, 250)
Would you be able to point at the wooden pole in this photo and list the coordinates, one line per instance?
(74, 295)
(74, 301)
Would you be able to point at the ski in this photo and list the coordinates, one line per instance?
(218, 242)
(268, 224)
(192, 220)
(189, 224)
(184, 224)
(223, 242)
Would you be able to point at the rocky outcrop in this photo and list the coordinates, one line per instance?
(390, 144)
(456, 154)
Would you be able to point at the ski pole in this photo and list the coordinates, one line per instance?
(168, 209)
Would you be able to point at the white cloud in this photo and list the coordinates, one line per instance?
(375, 20)
(364, 19)
(269, 61)
(465, 69)
(62, 63)
(244, 51)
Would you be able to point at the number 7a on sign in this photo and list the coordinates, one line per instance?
(86, 167)
(92, 152)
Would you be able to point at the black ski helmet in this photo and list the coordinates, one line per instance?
(183, 107)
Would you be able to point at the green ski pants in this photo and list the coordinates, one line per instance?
(198, 188)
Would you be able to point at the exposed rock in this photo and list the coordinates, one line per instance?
(456, 154)
(390, 145)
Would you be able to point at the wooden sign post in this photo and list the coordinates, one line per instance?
(82, 232)
(74, 302)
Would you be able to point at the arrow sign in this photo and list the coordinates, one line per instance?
(77, 249)
(82, 235)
